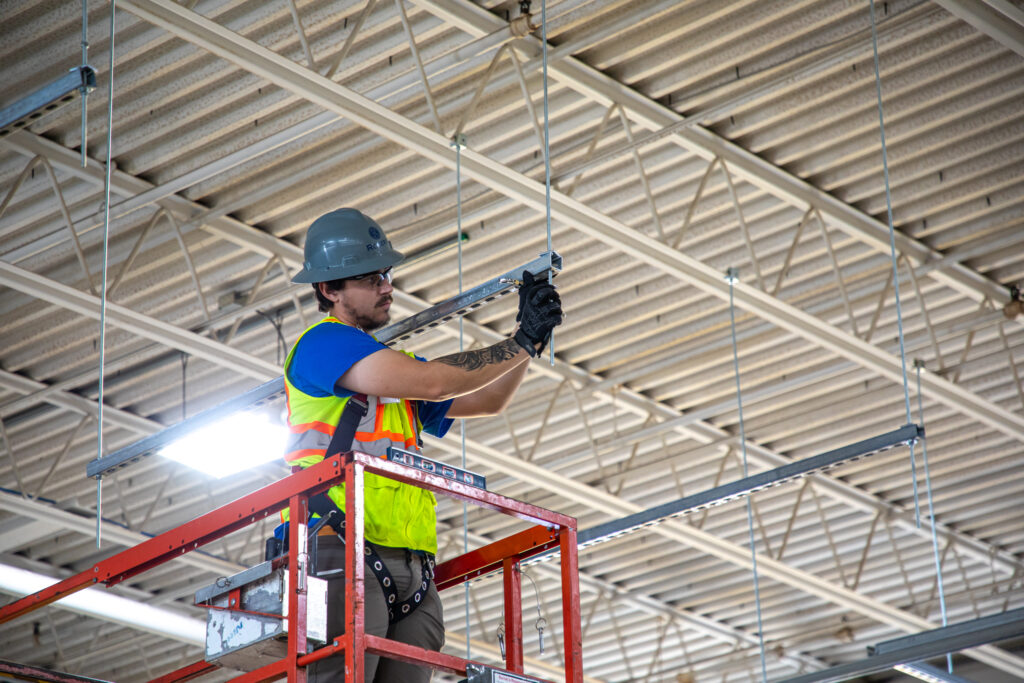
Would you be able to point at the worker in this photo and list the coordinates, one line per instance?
(344, 385)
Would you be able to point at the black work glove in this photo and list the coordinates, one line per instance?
(530, 290)
(540, 311)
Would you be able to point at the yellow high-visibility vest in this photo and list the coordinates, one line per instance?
(396, 515)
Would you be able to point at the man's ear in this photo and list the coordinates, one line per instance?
(330, 294)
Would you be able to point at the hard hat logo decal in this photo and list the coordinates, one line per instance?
(375, 233)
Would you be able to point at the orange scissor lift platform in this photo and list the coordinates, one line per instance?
(550, 531)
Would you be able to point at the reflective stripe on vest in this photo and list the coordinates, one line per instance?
(396, 515)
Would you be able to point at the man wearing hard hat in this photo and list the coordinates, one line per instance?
(347, 391)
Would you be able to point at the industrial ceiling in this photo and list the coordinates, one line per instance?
(685, 138)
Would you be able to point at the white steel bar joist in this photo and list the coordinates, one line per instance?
(260, 242)
(656, 117)
(120, 316)
(391, 126)
(567, 209)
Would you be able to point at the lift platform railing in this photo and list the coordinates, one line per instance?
(551, 531)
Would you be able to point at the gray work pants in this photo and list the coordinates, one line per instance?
(424, 627)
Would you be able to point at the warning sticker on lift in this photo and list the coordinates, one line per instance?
(482, 674)
(502, 677)
(417, 461)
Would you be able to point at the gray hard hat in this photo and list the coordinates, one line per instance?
(344, 243)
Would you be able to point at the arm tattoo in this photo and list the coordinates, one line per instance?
(492, 355)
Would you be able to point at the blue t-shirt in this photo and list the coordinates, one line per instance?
(327, 351)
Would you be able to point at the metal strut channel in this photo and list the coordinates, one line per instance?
(425, 320)
(48, 98)
(924, 645)
(742, 487)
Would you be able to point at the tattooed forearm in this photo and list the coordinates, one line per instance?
(476, 359)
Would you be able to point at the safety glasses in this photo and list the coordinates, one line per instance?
(376, 279)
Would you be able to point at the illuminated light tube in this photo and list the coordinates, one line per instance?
(929, 673)
(231, 445)
(94, 602)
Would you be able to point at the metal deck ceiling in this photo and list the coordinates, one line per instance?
(685, 138)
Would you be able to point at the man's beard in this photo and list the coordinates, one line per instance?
(377, 320)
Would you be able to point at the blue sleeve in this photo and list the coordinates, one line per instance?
(324, 354)
(433, 416)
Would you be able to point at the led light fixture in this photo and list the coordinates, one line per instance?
(102, 604)
(231, 445)
(929, 673)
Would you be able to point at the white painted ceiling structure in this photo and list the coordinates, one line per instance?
(685, 138)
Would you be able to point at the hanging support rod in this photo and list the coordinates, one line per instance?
(271, 391)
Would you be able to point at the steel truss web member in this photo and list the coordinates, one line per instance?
(348, 391)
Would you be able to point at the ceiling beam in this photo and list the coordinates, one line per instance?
(77, 404)
(606, 91)
(999, 19)
(590, 384)
(113, 533)
(85, 304)
(435, 147)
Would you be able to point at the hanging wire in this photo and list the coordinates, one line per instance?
(888, 211)
(458, 141)
(732, 275)
(547, 154)
(276, 322)
(541, 622)
(918, 364)
(85, 91)
(892, 249)
(184, 385)
(103, 286)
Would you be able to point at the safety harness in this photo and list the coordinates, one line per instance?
(355, 410)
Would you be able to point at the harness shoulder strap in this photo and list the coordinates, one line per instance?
(355, 410)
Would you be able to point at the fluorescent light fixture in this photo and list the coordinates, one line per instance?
(233, 444)
(927, 672)
(99, 603)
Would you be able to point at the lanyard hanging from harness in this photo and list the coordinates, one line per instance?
(344, 435)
